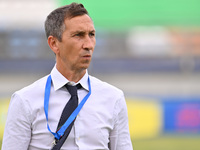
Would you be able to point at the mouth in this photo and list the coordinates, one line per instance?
(87, 56)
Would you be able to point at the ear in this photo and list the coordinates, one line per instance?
(53, 44)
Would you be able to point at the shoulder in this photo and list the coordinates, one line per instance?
(33, 89)
(102, 86)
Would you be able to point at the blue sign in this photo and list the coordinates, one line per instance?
(181, 116)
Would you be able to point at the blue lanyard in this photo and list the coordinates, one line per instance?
(61, 131)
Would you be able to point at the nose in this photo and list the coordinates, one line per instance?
(89, 43)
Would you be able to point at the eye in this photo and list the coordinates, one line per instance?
(78, 34)
(92, 34)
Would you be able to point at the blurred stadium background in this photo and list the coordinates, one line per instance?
(149, 49)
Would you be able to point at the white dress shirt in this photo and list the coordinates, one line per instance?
(102, 123)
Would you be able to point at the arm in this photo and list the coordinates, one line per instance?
(120, 137)
(17, 133)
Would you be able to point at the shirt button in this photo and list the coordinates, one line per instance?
(78, 138)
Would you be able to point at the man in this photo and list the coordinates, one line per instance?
(35, 111)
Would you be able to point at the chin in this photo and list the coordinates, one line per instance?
(85, 66)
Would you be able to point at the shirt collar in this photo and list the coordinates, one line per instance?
(59, 80)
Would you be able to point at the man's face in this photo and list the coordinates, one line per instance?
(77, 45)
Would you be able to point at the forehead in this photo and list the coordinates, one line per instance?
(83, 22)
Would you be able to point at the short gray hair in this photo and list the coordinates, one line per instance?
(54, 24)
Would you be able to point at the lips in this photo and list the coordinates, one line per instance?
(87, 56)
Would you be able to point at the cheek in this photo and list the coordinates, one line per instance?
(75, 52)
(71, 49)
(94, 45)
(94, 41)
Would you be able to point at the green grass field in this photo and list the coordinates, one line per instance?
(168, 142)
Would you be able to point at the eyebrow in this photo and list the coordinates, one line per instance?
(81, 31)
(93, 31)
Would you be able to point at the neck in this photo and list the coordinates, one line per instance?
(72, 75)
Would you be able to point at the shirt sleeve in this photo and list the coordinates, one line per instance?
(17, 133)
(120, 136)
